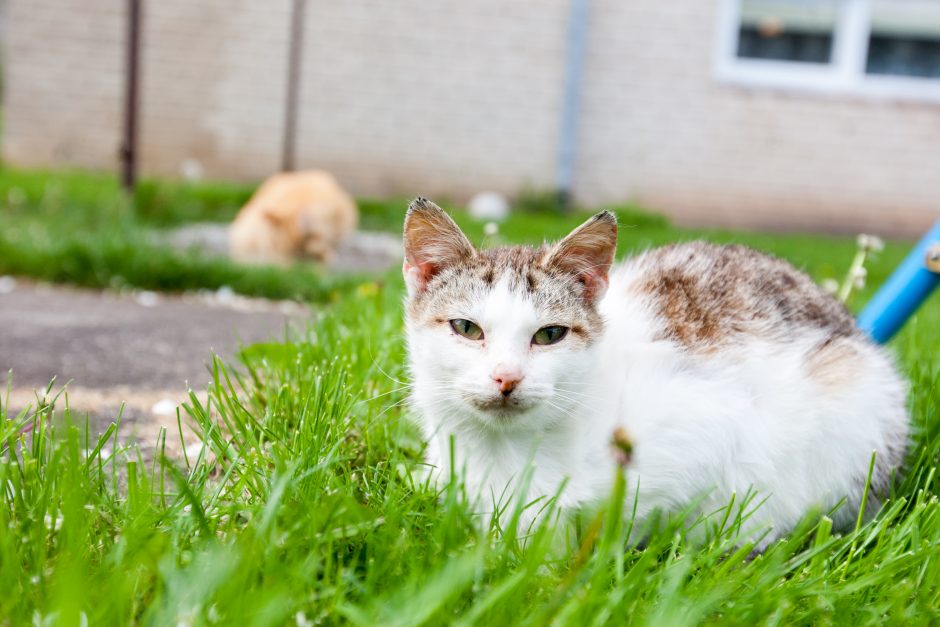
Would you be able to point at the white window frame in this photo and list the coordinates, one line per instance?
(843, 75)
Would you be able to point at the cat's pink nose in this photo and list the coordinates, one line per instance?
(506, 379)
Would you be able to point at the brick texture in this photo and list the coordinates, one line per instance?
(445, 98)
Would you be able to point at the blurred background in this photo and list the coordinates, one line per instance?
(819, 115)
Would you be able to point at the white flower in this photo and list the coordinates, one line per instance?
(858, 278)
(491, 229)
(871, 243)
(830, 285)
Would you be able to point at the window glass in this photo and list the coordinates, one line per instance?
(788, 30)
(905, 38)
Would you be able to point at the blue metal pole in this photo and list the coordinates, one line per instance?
(906, 289)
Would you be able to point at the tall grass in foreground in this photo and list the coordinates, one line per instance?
(305, 505)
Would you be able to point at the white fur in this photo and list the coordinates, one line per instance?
(747, 419)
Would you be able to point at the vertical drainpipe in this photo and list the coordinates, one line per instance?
(294, 60)
(574, 71)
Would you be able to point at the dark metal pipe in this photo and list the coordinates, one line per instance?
(131, 93)
(294, 60)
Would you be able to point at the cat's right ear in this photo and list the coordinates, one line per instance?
(433, 241)
(587, 253)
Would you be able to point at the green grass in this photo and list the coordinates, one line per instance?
(81, 229)
(307, 506)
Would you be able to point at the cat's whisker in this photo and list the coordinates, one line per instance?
(389, 408)
(375, 364)
(384, 394)
(561, 390)
(564, 411)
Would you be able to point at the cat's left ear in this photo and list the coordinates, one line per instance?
(587, 253)
(433, 241)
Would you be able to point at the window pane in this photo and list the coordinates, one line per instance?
(788, 30)
(905, 38)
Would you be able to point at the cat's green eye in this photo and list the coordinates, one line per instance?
(549, 335)
(468, 329)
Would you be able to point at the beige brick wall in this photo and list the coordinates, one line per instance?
(63, 83)
(658, 128)
(214, 75)
(445, 98)
(442, 98)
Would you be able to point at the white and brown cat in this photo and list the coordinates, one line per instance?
(730, 371)
(293, 215)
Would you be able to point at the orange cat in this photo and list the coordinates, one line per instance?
(293, 215)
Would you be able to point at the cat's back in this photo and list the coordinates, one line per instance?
(706, 296)
(292, 192)
(291, 215)
(734, 370)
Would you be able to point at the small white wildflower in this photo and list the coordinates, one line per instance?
(858, 278)
(870, 243)
(301, 620)
(491, 229)
(830, 285)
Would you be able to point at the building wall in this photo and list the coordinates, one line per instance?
(396, 97)
(442, 98)
(214, 74)
(658, 128)
(63, 83)
(448, 98)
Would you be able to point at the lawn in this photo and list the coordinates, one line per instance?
(82, 229)
(306, 505)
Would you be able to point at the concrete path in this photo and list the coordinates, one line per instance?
(142, 350)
